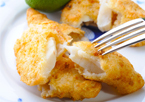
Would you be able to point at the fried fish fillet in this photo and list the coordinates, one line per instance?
(67, 82)
(106, 14)
(125, 10)
(113, 69)
(40, 46)
(78, 11)
(122, 11)
(110, 12)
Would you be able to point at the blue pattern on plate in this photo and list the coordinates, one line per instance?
(2, 4)
(92, 32)
(140, 2)
(19, 100)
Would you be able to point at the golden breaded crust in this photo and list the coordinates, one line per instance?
(129, 11)
(67, 82)
(36, 18)
(119, 71)
(75, 33)
(78, 11)
(68, 30)
(31, 49)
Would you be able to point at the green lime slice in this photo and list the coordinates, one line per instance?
(47, 5)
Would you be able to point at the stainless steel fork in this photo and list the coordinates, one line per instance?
(133, 27)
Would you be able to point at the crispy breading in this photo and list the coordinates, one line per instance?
(75, 11)
(35, 17)
(113, 69)
(67, 82)
(78, 11)
(40, 46)
(127, 10)
(106, 14)
(75, 33)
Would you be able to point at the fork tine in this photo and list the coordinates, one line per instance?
(127, 43)
(121, 27)
(128, 30)
(140, 31)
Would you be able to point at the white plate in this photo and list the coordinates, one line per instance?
(13, 23)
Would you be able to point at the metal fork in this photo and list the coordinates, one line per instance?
(134, 27)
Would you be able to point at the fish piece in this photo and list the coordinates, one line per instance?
(69, 33)
(33, 53)
(67, 82)
(78, 11)
(113, 13)
(40, 46)
(126, 10)
(113, 69)
(104, 20)
(105, 14)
